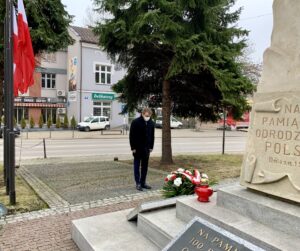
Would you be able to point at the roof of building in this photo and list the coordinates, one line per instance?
(86, 34)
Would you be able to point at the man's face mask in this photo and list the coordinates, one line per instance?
(146, 118)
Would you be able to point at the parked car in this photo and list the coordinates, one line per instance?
(174, 123)
(17, 131)
(94, 123)
(231, 123)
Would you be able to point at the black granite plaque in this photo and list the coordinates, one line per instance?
(201, 235)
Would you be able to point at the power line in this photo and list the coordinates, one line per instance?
(254, 17)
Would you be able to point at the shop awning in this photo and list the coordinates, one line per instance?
(40, 105)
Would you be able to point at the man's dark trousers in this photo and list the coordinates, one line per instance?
(141, 160)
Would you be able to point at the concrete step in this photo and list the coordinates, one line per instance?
(151, 206)
(160, 226)
(109, 232)
(261, 235)
(281, 215)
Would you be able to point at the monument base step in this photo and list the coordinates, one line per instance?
(109, 232)
(261, 235)
(160, 226)
(281, 215)
(250, 216)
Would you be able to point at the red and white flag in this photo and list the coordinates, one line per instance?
(18, 79)
(25, 50)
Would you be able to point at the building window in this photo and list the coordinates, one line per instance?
(102, 74)
(21, 112)
(102, 109)
(49, 113)
(49, 57)
(48, 80)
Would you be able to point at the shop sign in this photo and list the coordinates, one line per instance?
(72, 96)
(103, 96)
(38, 100)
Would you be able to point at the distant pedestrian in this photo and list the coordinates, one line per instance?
(141, 138)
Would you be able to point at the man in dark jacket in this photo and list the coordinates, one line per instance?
(141, 142)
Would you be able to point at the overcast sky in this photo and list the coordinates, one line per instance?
(256, 17)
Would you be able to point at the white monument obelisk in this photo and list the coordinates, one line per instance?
(272, 160)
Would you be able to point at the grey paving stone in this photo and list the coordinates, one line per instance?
(88, 181)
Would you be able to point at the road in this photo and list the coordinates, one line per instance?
(115, 146)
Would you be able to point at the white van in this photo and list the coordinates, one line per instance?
(174, 122)
(94, 123)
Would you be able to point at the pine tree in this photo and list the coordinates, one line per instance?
(41, 121)
(58, 123)
(182, 52)
(23, 123)
(66, 122)
(31, 122)
(73, 123)
(49, 122)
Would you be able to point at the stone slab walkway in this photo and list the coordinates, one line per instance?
(50, 230)
(61, 184)
(45, 192)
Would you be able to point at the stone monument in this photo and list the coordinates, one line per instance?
(272, 161)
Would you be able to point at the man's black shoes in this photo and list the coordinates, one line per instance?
(146, 186)
(139, 187)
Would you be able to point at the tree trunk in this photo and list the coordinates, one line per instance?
(166, 157)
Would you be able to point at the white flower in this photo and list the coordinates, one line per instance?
(204, 175)
(178, 182)
(180, 170)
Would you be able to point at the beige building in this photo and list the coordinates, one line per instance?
(77, 81)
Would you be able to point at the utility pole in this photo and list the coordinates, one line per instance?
(8, 131)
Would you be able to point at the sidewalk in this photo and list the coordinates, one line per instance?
(50, 229)
(52, 233)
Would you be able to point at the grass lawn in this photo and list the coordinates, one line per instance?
(217, 167)
(27, 199)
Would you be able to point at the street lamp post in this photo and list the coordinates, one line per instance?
(224, 128)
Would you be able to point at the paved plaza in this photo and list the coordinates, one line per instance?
(73, 189)
(53, 232)
(89, 181)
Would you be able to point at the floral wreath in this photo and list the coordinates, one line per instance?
(183, 182)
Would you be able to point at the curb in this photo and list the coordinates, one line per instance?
(78, 207)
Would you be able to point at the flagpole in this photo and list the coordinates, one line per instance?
(9, 105)
(5, 92)
(12, 174)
